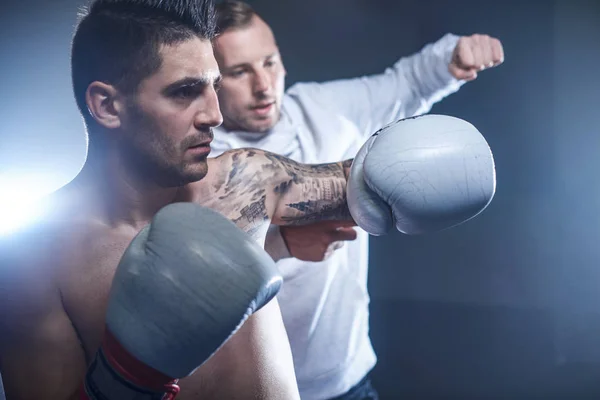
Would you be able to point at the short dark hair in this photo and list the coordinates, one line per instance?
(233, 15)
(118, 41)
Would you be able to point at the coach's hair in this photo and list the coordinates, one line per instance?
(233, 15)
(118, 41)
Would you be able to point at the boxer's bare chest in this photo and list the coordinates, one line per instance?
(87, 277)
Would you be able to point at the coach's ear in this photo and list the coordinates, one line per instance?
(104, 104)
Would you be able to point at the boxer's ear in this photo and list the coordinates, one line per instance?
(103, 104)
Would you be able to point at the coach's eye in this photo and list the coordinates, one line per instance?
(238, 73)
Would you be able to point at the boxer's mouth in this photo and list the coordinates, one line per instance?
(205, 142)
(201, 147)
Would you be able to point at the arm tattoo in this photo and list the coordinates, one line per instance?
(251, 179)
(251, 214)
(310, 192)
(237, 192)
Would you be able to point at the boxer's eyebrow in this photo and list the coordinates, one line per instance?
(193, 81)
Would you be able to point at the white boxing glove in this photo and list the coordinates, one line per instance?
(421, 174)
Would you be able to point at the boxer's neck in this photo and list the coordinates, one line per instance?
(125, 195)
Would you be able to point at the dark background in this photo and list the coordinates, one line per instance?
(505, 306)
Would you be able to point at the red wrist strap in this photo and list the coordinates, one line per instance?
(124, 377)
(131, 368)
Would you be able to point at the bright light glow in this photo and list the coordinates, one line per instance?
(17, 213)
(21, 200)
(24, 197)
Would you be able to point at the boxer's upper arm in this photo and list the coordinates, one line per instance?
(40, 353)
(262, 342)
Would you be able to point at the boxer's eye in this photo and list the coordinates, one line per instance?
(187, 92)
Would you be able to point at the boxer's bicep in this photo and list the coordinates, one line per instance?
(40, 353)
(237, 189)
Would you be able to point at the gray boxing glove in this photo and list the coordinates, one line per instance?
(185, 284)
(421, 174)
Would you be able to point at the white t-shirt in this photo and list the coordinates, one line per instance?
(325, 305)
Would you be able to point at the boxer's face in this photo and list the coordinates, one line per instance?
(253, 77)
(169, 120)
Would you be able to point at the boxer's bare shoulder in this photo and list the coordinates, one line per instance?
(37, 340)
(54, 281)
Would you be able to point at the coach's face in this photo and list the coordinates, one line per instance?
(253, 77)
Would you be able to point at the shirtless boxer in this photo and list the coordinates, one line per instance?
(145, 79)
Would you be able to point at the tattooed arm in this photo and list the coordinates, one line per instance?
(257, 186)
(306, 193)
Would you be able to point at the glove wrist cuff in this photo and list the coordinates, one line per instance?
(116, 371)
